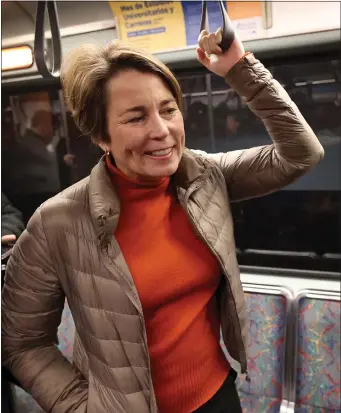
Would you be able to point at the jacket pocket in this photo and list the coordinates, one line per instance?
(102, 399)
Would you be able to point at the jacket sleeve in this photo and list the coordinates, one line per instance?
(11, 218)
(295, 149)
(32, 304)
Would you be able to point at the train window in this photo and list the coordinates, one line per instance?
(192, 83)
(196, 112)
(298, 227)
(303, 218)
(85, 153)
(33, 150)
(235, 127)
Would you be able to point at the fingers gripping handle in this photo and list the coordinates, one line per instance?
(227, 29)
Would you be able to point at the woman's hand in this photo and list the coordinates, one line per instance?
(211, 55)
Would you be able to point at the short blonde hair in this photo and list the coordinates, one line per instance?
(86, 71)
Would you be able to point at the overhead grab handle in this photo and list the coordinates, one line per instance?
(227, 29)
(39, 39)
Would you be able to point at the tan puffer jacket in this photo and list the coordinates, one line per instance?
(69, 249)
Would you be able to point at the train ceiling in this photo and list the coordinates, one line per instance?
(18, 17)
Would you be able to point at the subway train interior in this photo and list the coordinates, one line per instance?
(288, 243)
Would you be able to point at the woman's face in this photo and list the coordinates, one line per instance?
(145, 126)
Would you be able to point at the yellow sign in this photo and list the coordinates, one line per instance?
(167, 25)
(151, 25)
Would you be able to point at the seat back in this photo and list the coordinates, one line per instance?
(23, 402)
(318, 366)
(267, 312)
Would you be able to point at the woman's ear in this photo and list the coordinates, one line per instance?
(104, 146)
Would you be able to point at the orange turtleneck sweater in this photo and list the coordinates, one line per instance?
(176, 277)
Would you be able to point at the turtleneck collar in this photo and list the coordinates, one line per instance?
(129, 188)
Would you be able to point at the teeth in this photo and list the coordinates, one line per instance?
(162, 152)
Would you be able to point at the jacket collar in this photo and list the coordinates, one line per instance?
(104, 201)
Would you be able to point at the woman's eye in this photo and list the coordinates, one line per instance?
(136, 119)
(170, 111)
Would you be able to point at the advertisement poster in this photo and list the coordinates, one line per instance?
(167, 25)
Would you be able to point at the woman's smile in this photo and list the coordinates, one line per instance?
(161, 154)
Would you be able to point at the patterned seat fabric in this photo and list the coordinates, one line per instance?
(66, 333)
(312, 409)
(252, 403)
(23, 402)
(267, 323)
(318, 363)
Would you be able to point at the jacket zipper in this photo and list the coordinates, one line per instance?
(195, 186)
(154, 408)
(145, 340)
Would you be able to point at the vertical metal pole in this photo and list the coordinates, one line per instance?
(267, 14)
(210, 110)
(15, 117)
(64, 121)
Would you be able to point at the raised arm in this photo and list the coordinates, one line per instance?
(295, 149)
(32, 304)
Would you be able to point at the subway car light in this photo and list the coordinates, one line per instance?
(16, 58)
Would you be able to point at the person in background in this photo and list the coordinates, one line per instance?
(143, 249)
(11, 227)
(37, 178)
(12, 224)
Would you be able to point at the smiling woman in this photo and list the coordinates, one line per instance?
(136, 113)
(143, 248)
(86, 72)
(145, 126)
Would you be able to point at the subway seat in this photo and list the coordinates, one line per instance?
(267, 327)
(318, 357)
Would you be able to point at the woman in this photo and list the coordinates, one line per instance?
(143, 249)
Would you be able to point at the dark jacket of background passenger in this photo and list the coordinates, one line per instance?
(11, 218)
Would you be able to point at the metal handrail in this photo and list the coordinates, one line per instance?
(228, 34)
(39, 39)
(279, 253)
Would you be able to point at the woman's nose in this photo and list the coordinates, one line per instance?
(158, 128)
